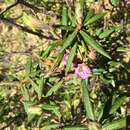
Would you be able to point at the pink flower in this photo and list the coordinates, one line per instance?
(82, 71)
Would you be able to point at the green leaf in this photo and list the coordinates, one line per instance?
(29, 65)
(39, 87)
(70, 58)
(50, 127)
(54, 88)
(100, 113)
(79, 10)
(94, 18)
(58, 60)
(86, 100)
(64, 20)
(72, 17)
(30, 117)
(53, 108)
(35, 110)
(48, 107)
(89, 40)
(31, 22)
(74, 128)
(118, 102)
(122, 49)
(57, 112)
(67, 42)
(106, 109)
(99, 71)
(46, 53)
(63, 27)
(98, 31)
(115, 2)
(88, 16)
(82, 2)
(25, 92)
(106, 33)
(115, 125)
(32, 110)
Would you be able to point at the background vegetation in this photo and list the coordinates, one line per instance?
(64, 64)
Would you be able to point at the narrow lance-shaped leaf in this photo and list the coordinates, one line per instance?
(35, 110)
(71, 57)
(82, 3)
(89, 40)
(63, 27)
(29, 66)
(47, 51)
(58, 60)
(51, 127)
(75, 128)
(106, 33)
(88, 16)
(53, 108)
(48, 107)
(67, 42)
(105, 112)
(72, 17)
(115, 2)
(98, 31)
(38, 86)
(94, 18)
(64, 19)
(115, 125)
(118, 102)
(86, 100)
(30, 117)
(57, 112)
(54, 88)
(79, 11)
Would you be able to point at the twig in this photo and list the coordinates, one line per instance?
(8, 8)
(25, 29)
(31, 6)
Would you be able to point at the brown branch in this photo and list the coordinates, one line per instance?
(22, 2)
(8, 8)
(11, 21)
(25, 29)
(31, 6)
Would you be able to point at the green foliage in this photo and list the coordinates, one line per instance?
(106, 33)
(54, 88)
(71, 58)
(93, 19)
(86, 100)
(115, 2)
(75, 128)
(115, 124)
(94, 44)
(50, 94)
